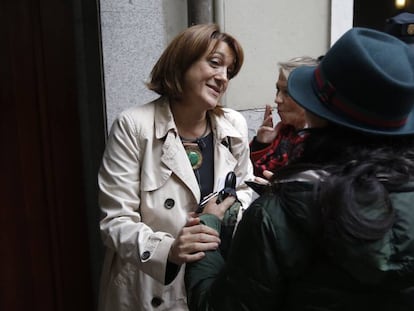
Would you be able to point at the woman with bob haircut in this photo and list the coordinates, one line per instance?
(162, 158)
(334, 230)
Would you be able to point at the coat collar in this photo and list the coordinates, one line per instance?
(164, 122)
(222, 127)
(173, 154)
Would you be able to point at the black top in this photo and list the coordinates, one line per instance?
(205, 174)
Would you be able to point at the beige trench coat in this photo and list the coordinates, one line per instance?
(147, 187)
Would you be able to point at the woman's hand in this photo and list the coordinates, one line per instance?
(268, 176)
(218, 209)
(267, 132)
(192, 241)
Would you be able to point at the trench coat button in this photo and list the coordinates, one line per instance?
(156, 302)
(169, 203)
(145, 255)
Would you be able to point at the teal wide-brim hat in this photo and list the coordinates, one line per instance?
(365, 82)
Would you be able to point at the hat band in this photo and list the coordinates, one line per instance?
(329, 96)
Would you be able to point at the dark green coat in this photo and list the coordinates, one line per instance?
(279, 262)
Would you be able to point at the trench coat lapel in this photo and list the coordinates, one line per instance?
(173, 155)
(175, 158)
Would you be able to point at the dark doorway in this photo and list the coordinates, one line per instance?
(373, 13)
(52, 136)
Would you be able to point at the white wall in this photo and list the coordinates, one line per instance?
(342, 15)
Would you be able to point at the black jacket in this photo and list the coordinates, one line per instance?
(279, 260)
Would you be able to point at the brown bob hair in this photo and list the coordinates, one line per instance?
(186, 48)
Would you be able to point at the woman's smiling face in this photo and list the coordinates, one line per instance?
(207, 79)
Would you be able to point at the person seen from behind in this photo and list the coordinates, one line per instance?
(335, 229)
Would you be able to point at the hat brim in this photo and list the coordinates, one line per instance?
(300, 89)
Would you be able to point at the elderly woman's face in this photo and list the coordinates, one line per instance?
(207, 79)
(289, 112)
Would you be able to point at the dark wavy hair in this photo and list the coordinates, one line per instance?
(363, 169)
